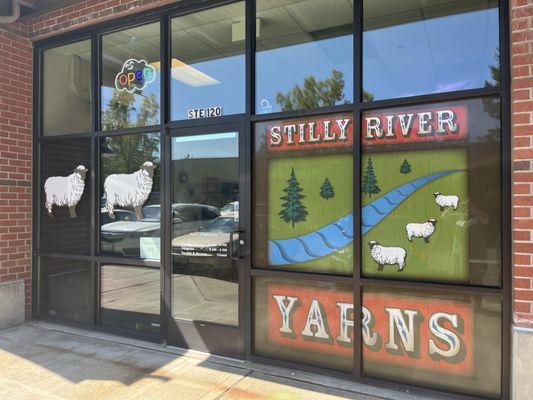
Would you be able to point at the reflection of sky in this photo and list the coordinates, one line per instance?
(431, 56)
(279, 70)
(151, 88)
(229, 93)
(217, 145)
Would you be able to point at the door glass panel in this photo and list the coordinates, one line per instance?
(205, 204)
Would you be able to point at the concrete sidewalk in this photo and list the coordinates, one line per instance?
(45, 361)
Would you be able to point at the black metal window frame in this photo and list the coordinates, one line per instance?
(249, 118)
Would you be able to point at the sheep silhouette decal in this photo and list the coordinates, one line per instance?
(387, 255)
(65, 190)
(129, 190)
(446, 201)
(423, 230)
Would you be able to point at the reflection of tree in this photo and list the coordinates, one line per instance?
(313, 93)
(495, 72)
(316, 94)
(492, 105)
(121, 109)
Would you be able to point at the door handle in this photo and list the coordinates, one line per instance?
(231, 248)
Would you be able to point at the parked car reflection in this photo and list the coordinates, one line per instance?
(122, 236)
(230, 208)
(211, 240)
(206, 251)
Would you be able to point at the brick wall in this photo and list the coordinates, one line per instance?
(522, 131)
(86, 13)
(15, 156)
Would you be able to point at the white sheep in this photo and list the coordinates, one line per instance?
(65, 190)
(129, 190)
(446, 201)
(387, 255)
(423, 230)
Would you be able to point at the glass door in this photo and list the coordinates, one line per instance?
(207, 241)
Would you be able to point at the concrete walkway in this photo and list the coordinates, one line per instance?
(45, 361)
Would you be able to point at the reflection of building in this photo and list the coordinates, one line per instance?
(202, 180)
(261, 259)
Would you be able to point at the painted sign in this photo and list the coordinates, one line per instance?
(312, 133)
(129, 190)
(208, 112)
(134, 75)
(429, 124)
(65, 190)
(418, 332)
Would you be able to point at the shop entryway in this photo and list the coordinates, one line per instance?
(207, 241)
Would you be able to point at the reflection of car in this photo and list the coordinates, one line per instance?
(232, 207)
(120, 215)
(211, 240)
(122, 236)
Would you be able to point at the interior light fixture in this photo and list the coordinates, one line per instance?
(189, 75)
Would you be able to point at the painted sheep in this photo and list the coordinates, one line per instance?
(65, 190)
(129, 190)
(387, 255)
(423, 230)
(446, 201)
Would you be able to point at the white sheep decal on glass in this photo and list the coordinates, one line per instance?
(446, 201)
(65, 190)
(129, 190)
(422, 230)
(387, 255)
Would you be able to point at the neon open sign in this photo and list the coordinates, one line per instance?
(134, 75)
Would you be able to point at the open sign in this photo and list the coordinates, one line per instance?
(134, 75)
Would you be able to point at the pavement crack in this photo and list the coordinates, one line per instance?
(246, 375)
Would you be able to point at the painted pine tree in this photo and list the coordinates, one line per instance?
(405, 167)
(326, 190)
(370, 182)
(293, 209)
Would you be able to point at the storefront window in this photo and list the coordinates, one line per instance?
(207, 63)
(431, 192)
(65, 289)
(413, 48)
(303, 180)
(304, 54)
(449, 341)
(130, 208)
(65, 197)
(67, 89)
(306, 322)
(130, 297)
(130, 86)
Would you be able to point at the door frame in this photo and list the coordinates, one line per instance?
(211, 333)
